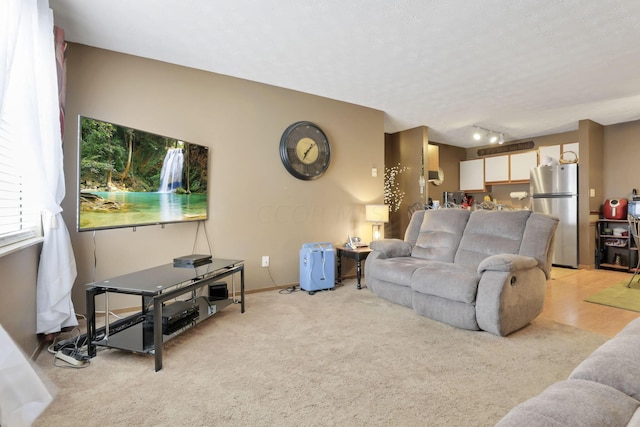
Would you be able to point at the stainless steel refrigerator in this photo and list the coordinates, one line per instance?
(554, 191)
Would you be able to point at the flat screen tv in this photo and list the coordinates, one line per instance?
(130, 178)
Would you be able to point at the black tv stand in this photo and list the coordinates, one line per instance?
(143, 331)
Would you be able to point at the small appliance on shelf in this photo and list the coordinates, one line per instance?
(615, 209)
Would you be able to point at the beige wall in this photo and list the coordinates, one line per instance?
(256, 208)
(412, 146)
(450, 158)
(18, 296)
(621, 160)
(590, 176)
(407, 149)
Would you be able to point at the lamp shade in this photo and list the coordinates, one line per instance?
(377, 213)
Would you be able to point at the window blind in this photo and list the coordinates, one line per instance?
(19, 219)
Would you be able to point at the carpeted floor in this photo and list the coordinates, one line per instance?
(619, 295)
(343, 357)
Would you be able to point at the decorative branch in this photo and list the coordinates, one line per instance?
(392, 194)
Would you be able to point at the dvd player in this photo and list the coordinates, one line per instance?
(176, 316)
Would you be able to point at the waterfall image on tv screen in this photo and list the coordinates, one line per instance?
(130, 178)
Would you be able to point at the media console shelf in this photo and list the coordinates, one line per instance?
(142, 332)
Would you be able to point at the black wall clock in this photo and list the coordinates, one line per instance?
(305, 150)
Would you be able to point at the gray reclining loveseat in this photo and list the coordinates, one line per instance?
(473, 270)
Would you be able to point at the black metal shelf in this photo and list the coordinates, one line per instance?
(138, 337)
(607, 254)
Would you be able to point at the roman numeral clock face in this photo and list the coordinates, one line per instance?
(305, 150)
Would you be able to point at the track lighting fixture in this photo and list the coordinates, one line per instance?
(491, 136)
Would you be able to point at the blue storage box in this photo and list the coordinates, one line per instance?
(317, 267)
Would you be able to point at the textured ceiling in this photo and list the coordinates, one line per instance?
(525, 67)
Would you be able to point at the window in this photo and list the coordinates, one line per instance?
(19, 126)
(19, 219)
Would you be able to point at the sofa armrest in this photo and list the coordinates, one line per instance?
(506, 262)
(509, 295)
(391, 248)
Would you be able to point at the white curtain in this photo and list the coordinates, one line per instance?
(23, 395)
(29, 110)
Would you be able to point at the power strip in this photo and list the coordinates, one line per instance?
(69, 359)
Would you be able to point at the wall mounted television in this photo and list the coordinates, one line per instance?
(131, 178)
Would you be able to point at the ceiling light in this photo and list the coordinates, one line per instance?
(490, 135)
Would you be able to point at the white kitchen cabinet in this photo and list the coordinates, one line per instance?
(472, 175)
(521, 164)
(555, 151)
(549, 151)
(496, 169)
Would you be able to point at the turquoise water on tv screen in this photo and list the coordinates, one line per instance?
(128, 209)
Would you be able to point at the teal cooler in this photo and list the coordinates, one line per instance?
(317, 267)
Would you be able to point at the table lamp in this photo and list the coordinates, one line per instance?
(378, 214)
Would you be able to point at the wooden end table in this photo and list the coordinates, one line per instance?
(359, 254)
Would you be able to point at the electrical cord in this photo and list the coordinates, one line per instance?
(111, 313)
(324, 273)
(312, 262)
(233, 291)
(71, 352)
(95, 258)
(206, 235)
(289, 290)
(70, 341)
(273, 282)
(69, 355)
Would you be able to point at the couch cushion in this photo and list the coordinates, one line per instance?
(490, 233)
(413, 229)
(440, 234)
(538, 240)
(391, 247)
(395, 270)
(615, 363)
(449, 281)
(573, 403)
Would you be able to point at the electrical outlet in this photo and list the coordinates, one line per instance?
(265, 261)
